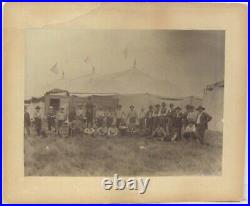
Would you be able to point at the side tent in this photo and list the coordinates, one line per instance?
(213, 102)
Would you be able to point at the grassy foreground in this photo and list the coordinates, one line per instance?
(126, 156)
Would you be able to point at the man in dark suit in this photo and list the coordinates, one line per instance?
(202, 123)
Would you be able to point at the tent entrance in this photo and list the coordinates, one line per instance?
(55, 103)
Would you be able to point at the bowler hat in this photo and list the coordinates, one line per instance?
(177, 108)
(200, 108)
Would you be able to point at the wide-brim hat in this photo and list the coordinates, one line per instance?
(150, 106)
(38, 107)
(157, 105)
(131, 106)
(171, 104)
(163, 104)
(200, 108)
(177, 108)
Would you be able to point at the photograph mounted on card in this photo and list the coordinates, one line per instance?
(132, 99)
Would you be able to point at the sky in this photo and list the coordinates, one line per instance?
(190, 59)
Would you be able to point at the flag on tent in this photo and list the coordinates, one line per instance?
(125, 52)
(54, 69)
(134, 65)
(86, 60)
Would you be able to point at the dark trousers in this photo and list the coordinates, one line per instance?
(27, 129)
(200, 133)
(38, 126)
(51, 123)
(178, 133)
(149, 124)
(90, 118)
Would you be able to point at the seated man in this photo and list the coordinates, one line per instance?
(122, 128)
(89, 131)
(112, 131)
(101, 124)
(159, 132)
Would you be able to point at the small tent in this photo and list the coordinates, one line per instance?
(213, 102)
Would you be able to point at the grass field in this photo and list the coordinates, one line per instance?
(127, 156)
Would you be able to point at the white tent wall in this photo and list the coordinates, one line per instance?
(144, 100)
(213, 102)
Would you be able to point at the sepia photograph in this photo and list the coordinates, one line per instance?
(128, 102)
(124, 102)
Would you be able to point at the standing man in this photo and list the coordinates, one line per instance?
(163, 116)
(120, 116)
(80, 113)
(60, 119)
(71, 118)
(27, 121)
(132, 120)
(202, 123)
(38, 120)
(51, 118)
(177, 124)
(149, 119)
(170, 117)
(90, 112)
(142, 119)
(156, 116)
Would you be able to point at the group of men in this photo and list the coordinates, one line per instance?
(157, 121)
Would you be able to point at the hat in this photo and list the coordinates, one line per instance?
(150, 107)
(157, 105)
(188, 106)
(163, 104)
(177, 108)
(200, 108)
(131, 106)
(171, 105)
(119, 106)
(50, 107)
(62, 108)
(37, 107)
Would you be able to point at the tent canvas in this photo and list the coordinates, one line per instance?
(213, 102)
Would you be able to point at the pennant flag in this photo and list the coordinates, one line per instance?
(134, 65)
(54, 69)
(86, 60)
(125, 52)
